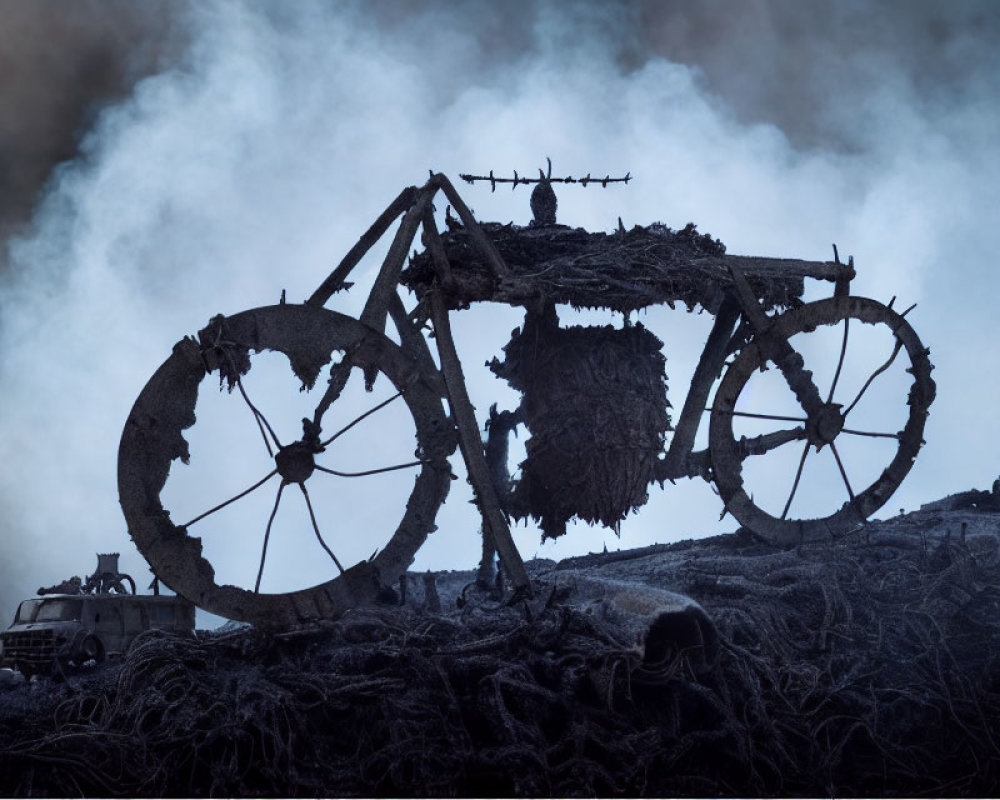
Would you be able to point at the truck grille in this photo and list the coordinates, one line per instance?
(34, 648)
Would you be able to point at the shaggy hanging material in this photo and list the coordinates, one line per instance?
(595, 402)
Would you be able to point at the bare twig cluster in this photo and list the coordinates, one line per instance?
(624, 271)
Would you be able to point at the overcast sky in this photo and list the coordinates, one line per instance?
(168, 162)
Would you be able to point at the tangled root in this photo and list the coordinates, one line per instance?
(861, 668)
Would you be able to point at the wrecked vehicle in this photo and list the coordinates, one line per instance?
(74, 628)
(593, 400)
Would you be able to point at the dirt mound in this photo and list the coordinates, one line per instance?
(867, 666)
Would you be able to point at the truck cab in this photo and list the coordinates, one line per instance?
(74, 629)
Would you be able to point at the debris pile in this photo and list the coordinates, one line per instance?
(863, 667)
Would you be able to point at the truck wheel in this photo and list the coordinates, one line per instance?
(27, 670)
(90, 649)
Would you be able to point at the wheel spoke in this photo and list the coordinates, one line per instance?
(759, 445)
(777, 417)
(267, 536)
(875, 374)
(895, 436)
(798, 477)
(244, 493)
(840, 361)
(259, 418)
(267, 444)
(319, 536)
(370, 471)
(843, 472)
(354, 422)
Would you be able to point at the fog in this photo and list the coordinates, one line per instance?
(239, 150)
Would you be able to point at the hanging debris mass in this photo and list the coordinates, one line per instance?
(595, 402)
(594, 398)
(624, 271)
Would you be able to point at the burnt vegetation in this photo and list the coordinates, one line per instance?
(625, 270)
(863, 667)
(595, 401)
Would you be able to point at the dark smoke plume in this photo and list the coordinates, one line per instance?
(60, 63)
(825, 72)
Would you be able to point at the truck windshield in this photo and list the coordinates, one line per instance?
(26, 611)
(59, 611)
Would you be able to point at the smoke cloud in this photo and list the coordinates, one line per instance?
(224, 152)
(834, 75)
(60, 64)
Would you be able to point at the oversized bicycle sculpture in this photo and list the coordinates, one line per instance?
(594, 398)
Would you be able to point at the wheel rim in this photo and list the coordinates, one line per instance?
(90, 650)
(827, 427)
(153, 439)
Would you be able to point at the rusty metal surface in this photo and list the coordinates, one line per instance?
(153, 439)
(727, 453)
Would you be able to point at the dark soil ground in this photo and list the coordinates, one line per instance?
(870, 666)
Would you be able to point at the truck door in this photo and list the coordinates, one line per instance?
(109, 624)
(136, 621)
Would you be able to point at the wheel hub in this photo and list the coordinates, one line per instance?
(826, 425)
(295, 462)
